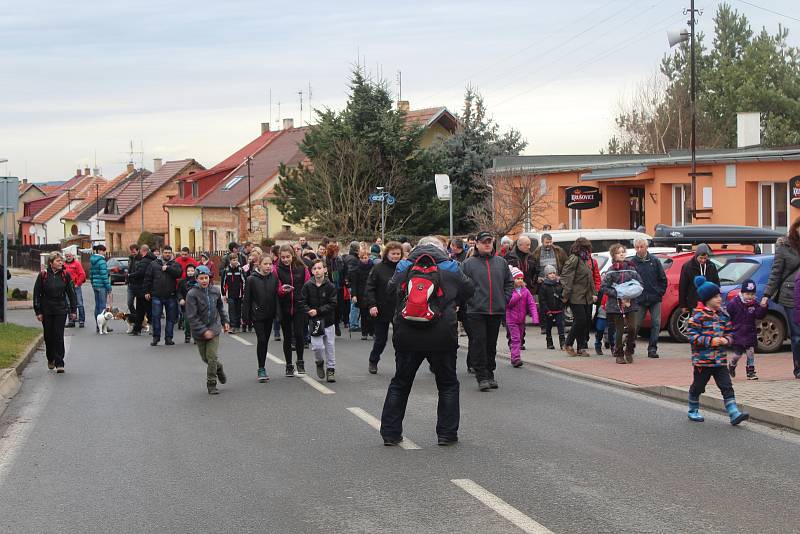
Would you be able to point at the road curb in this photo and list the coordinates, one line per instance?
(10, 381)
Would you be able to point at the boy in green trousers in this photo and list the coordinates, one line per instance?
(207, 320)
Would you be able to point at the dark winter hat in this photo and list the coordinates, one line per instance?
(705, 290)
(748, 286)
(232, 245)
(483, 235)
(375, 249)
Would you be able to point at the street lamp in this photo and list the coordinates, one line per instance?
(383, 212)
(249, 206)
(677, 37)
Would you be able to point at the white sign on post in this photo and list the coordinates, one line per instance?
(442, 186)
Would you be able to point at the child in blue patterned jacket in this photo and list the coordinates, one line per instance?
(710, 332)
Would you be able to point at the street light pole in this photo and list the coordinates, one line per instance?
(249, 205)
(383, 211)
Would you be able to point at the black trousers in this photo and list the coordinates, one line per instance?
(581, 319)
(53, 326)
(143, 307)
(482, 352)
(448, 412)
(294, 328)
(381, 338)
(703, 374)
(367, 322)
(263, 329)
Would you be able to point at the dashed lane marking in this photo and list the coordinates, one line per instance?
(241, 340)
(505, 510)
(376, 424)
(304, 378)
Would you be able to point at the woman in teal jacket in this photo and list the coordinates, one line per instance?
(101, 283)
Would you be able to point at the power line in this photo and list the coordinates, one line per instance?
(769, 10)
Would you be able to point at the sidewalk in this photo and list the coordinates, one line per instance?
(774, 398)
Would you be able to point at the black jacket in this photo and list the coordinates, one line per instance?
(185, 285)
(378, 293)
(687, 292)
(441, 335)
(524, 262)
(350, 267)
(233, 282)
(654, 279)
(780, 285)
(321, 298)
(51, 291)
(260, 302)
(294, 276)
(358, 283)
(550, 294)
(136, 275)
(493, 284)
(162, 284)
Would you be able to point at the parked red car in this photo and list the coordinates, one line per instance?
(672, 319)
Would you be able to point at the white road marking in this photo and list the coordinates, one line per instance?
(241, 340)
(375, 423)
(17, 432)
(508, 512)
(307, 379)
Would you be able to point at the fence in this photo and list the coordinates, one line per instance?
(28, 256)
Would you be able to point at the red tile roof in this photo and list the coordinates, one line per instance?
(71, 196)
(129, 196)
(50, 189)
(282, 148)
(99, 196)
(428, 116)
(32, 207)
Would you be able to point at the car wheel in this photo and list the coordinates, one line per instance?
(678, 326)
(771, 333)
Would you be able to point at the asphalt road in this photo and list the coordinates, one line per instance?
(128, 440)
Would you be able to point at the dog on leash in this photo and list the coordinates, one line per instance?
(130, 320)
(102, 321)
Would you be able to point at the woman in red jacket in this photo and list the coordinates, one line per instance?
(78, 275)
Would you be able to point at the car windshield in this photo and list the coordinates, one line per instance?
(737, 271)
(601, 261)
(665, 262)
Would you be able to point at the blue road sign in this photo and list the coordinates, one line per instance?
(376, 197)
(390, 199)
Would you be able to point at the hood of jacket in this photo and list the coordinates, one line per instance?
(702, 249)
(354, 246)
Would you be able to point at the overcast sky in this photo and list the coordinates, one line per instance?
(191, 78)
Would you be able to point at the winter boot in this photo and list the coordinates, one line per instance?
(734, 413)
(561, 342)
(320, 370)
(290, 370)
(732, 370)
(751, 372)
(212, 388)
(221, 375)
(694, 410)
(331, 375)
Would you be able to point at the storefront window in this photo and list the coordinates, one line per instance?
(575, 219)
(681, 205)
(773, 212)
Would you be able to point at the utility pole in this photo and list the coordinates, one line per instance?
(692, 96)
(96, 210)
(249, 200)
(383, 211)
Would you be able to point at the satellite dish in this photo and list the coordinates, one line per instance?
(677, 36)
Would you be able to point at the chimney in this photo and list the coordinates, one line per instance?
(156, 164)
(403, 105)
(24, 180)
(131, 167)
(748, 129)
(288, 124)
(87, 171)
(96, 171)
(264, 127)
(78, 172)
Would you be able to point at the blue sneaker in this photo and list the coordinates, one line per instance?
(262, 375)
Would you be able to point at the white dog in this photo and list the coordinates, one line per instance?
(102, 321)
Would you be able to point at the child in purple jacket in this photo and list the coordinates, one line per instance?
(518, 307)
(744, 311)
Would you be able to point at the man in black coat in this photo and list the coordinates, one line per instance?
(380, 301)
(161, 287)
(136, 276)
(654, 280)
(700, 265)
(436, 341)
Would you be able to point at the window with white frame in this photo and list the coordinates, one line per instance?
(773, 208)
(681, 204)
(575, 219)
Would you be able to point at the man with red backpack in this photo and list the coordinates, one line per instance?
(429, 288)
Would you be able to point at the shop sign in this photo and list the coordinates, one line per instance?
(582, 197)
(794, 191)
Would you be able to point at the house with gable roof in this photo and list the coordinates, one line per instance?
(139, 204)
(439, 124)
(28, 191)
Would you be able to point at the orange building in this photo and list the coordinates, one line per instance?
(747, 186)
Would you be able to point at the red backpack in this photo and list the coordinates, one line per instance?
(421, 291)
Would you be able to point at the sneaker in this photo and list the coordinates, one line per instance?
(363, 337)
(621, 359)
(392, 442)
(652, 355)
(493, 383)
(446, 442)
(338, 330)
(154, 343)
(212, 389)
(330, 376)
(598, 349)
(484, 385)
(169, 342)
(186, 340)
(70, 324)
(262, 375)
(732, 370)
(550, 346)
(301, 367)
(629, 357)
(320, 370)
(82, 324)
(221, 375)
(59, 370)
(290, 371)
(51, 365)
(583, 353)
(373, 368)
(517, 363)
(751, 375)
(109, 329)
